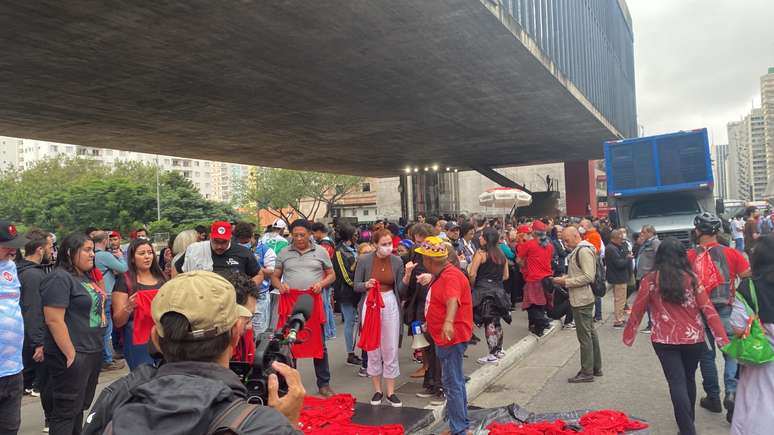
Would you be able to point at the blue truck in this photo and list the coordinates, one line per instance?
(663, 180)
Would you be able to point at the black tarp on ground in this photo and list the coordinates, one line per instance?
(482, 417)
(412, 419)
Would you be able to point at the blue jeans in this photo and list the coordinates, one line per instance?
(739, 244)
(107, 345)
(709, 372)
(453, 380)
(135, 355)
(262, 313)
(597, 308)
(349, 312)
(330, 322)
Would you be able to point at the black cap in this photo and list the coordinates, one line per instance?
(9, 238)
(451, 226)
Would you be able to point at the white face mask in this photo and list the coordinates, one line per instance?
(384, 251)
(582, 230)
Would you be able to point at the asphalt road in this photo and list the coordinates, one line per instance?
(633, 382)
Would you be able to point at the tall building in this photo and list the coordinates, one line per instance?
(24, 153)
(720, 169)
(227, 180)
(760, 154)
(767, 107)
(738, 162)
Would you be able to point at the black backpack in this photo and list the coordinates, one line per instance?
(228, 421)
(599, 284)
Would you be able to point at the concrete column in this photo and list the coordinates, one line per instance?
(580, 188)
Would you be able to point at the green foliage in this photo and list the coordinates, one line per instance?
(276, 189)
(70, 194)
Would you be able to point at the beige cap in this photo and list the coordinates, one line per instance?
(206, 299)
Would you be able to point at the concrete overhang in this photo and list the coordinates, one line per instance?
(359, 87)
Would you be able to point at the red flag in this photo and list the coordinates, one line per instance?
(143, 321)
(312, 346)
(707, 272)
(371, 333)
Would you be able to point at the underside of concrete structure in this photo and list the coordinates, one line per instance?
(358, 87)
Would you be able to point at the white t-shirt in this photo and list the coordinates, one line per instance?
(737, 228)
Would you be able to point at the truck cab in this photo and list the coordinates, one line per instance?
(663, 180)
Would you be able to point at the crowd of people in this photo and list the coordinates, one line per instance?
(91, 304)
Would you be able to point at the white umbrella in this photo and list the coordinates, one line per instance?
(504, 197)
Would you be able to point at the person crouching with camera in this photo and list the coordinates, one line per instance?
(197, 326)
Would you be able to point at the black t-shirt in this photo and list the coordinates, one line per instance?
(236, 258)
(84, 304)
(123, 288)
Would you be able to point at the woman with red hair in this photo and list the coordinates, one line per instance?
(381, 274)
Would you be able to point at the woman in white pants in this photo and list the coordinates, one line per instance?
(386, 269)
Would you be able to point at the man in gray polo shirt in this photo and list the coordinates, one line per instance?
(306, 265)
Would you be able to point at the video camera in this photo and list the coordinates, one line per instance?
(273, 346)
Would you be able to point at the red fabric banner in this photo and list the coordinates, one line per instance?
(143, 321)
(371, 333)
(312, 346)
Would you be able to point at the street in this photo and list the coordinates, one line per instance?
(633, 382)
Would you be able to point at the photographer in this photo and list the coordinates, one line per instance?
(197, 326)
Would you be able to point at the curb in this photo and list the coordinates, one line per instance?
(485, 376)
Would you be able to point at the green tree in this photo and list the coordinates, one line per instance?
(69, 194)
(276, 189)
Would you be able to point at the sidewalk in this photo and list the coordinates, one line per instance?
(518, 342)
(344, 378)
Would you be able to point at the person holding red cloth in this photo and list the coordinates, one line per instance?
(132, 297)
(449, 320)
(676, 298)
(534, 258)
(306, 266)
(382, 272)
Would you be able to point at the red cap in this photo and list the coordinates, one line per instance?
(115, 233)
(523, 229)
(538, 226)
(220, 230)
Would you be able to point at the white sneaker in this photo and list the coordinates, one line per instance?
(570, 326)
(500, 354)
(489, 359)
(45, 429)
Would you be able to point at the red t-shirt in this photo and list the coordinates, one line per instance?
(451, 283)
(735, 260)
(537, 260)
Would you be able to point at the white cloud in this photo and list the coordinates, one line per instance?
(698, 63)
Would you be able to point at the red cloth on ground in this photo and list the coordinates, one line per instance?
(540, 428)
(333, 416)
(245, 349)
(312, 347)
(610, 421)
(143, 321)
(371, 332)
(603, 422)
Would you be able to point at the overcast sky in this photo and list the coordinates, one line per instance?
(698, 63)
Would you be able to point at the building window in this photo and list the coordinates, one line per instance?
(366, 187)
(365, 212)
(54, 149)
(196, 163)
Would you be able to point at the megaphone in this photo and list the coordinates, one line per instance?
(419, 340)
